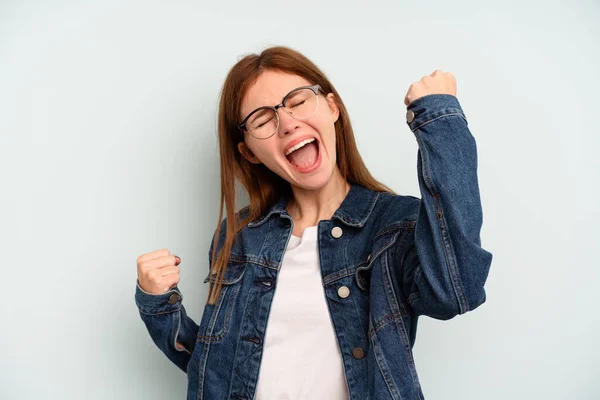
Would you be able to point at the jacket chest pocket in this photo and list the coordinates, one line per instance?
(387, 238)
(217, 318)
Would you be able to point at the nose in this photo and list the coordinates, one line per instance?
(287, 123)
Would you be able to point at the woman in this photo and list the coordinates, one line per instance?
(354, 263)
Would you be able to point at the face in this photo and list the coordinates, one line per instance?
(269, 90)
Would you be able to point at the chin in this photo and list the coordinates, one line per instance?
(316, 182)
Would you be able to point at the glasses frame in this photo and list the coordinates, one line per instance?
(315, 88)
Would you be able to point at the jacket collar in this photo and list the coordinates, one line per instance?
(354, 210)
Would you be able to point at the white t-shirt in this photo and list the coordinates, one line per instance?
(301, 357)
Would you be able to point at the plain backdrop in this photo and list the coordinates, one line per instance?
(108, 150)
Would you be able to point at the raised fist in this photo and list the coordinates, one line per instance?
(438, 82)
(158, 271)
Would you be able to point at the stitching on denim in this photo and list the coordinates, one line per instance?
(397, 317)
(441, 226)
(390, 292)
(240, 259)
(383, 321)
(400, 311)
(340, 274)
(160, 312)
(441, 116)
(410, 224)
(203, 362)
(380, 251)
(226, 319)
(409, 354)
(384, 370)
(452, 264)
(214, 317)
(348, 220)
(237, 369)
(177, 334)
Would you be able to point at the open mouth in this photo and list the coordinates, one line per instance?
(306, 155)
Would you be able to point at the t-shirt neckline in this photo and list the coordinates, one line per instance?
(304, 232)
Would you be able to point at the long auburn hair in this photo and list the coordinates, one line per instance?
(264, 186)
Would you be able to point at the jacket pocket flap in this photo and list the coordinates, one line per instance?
(233, 273)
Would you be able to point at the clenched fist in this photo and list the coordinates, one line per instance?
(158, 271)
(438, 82)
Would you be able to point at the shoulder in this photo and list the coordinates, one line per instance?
(239, 216)
(394, 208)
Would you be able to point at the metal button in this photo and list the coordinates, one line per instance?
(363, 279)
(343, 292)
(410, 116)
(369, 258)
(174, 298)
(358, 353)
(336, 232)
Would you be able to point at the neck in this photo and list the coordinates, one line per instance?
(308, 207)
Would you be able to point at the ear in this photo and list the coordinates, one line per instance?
(333, 107)
(247, 153)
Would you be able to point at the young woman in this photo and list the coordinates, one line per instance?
(315, 288)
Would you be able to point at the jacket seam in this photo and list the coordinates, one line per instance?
(441, 226)
(159, 312)
(458, 113)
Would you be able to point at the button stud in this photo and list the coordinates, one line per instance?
(173, 298)
(358, 353)
(343, 292)
(410, 116)
(336, 232)
(369, 257)
(362, 279)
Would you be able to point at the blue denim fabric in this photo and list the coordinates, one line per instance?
(400, 256)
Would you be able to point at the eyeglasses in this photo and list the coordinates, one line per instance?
(300, 103)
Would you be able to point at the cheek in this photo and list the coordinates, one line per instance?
(265, 153)
(326, 129)
(322, 123)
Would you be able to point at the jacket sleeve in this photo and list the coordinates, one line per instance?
(444, 271)
(166, 320)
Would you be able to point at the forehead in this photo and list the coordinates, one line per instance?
(269, 89)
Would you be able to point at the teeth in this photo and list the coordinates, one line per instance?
(296, 147)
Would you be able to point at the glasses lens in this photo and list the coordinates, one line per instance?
(302, 103)
(262, 123)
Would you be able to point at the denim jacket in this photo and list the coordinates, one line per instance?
(400, 256)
